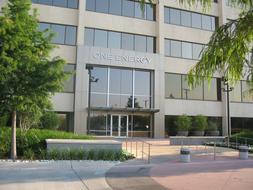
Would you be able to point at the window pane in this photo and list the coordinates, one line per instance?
(138, 13)
(69, 84)
(128, 8)
(43, 26)
(127, 41)
(235, 94)
(166, 15)
(101, 84)
(206, 22)
(213, 23)
(126, 82)
(142, 83)
(186, 18)
(142, 102)
(150, 45)
(197, 48)
(174, 16)
(98, 100)
(191, 94)
(247, 91)
(46, 2)
(115, 7)
(60, 3)
(167, 47)
(114, 83)
(114, 40)
(70, 35)
(196, 20)
(89, 37)
(175, 48)
(172, 85)
(114, 101)
(100, 38)
(140, 43)
(73, 4)
(59, 31)
(102, 6)
(187, 50)
(210, 91)
(90, 5)
(150, 11)
(126, 101)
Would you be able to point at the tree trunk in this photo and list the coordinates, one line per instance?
(13, 133)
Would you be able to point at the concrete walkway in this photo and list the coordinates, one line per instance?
(52, 175)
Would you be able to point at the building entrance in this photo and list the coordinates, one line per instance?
(119, 125)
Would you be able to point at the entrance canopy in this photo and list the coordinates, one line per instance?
(125, 110)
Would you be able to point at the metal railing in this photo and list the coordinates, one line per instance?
(131, 143)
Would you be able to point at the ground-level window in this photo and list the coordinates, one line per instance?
(121, 124)
(239, 124)
(171, 130)
(66, 121)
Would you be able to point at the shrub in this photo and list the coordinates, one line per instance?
(29, 154)
(200, 123)
(212, 126)
(4, 120)
(183, 123)
(50, 120)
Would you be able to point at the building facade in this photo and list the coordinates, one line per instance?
(139, 62)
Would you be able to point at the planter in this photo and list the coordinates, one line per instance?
(182, 133)
(198, 133)
(213, 133)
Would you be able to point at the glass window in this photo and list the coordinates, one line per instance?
(114, 101)
(138, 13)
(126, 101)
(142, 102)
(206, 22)
(172, 85)
(150, 45)
(98, 124)
(141, 126)
(247, 91)
(193, 94)
(60, 3)
(167, 47)
(235, 94)
(196, 20)
(102, 6)
(100, 38)
(89, 37)
(69, 84)
(150, 11)
(175, 47)
(115, 7)
(59, 31)
(70, 35)
(114, 39)
(73, 4)
(115, 78)
(210, 90)
(126, 81)
(46, 2)
(175, 16)
(90, 5)
(167, 15)
(142, 83)
(98, 100)
(100, 86)
(197, 48)
(140, 43)
(128, 8)
(186, 18)
(127, 41)
(187, 50)
(213, 22)
(43, 26)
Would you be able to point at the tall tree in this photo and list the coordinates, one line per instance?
(28, 76)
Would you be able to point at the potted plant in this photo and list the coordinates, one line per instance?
(212, 129)
(183, 124)
(199, 125)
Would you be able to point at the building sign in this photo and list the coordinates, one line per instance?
(123, 59)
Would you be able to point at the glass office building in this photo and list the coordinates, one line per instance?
(140, 63)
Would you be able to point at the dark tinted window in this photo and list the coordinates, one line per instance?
(61, 3)
(73, 4)
(46, 2)
(172, 85)
(69, 84)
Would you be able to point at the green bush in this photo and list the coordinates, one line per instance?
(199, 123)
(212, 126)
(183, 123)
(4, 120)
(50, 120)
(34, 139)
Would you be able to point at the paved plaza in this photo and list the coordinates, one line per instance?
(164, 171)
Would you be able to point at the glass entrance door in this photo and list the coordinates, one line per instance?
(119, 125)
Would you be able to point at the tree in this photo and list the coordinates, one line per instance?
(28, 76)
